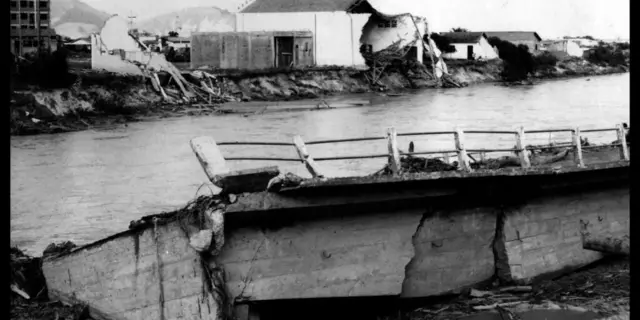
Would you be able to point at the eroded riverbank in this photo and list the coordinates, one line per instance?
(99, 100)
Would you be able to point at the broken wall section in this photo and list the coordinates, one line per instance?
(381, 32)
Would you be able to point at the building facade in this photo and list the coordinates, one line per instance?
(569, 47)
(469, 46)
(297, 33)
(30, 22)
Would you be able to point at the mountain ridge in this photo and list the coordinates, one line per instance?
(76, 19)
(188, 20)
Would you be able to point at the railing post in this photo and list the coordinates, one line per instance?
(522, 151)
(445, 158)
(578, 147)
(210, 157)
(463, 158)
(394, 154)
(308, 161)
(622, 138)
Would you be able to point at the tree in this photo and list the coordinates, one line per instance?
(588, 37)
(459, 29)
(442, 43)
(518, 61)
(173, 33)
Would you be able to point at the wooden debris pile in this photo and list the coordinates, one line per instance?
(197, 87)
(411, 164)
(379, 61)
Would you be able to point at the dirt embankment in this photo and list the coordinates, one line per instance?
(98, 99)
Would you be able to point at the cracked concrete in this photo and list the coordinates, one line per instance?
(409, 251)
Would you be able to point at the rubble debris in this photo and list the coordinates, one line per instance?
(516, 289)
(602, 288)
(411, 164)
(288, 180)
(56, 249)
(29, 298)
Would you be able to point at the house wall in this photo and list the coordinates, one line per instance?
(481, 49)
(246, 50)
(569, 47)
(379, 36)
(488, 52)
(461, 51)
(102, 60)
(533, 45)
(336, 34)
(115, 35)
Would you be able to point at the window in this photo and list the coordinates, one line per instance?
(24, 16)
(14, 16)
(32, 4)
(381, 25)
(23, 4)
(394, 23)
(14, 27)
(387, 24)
(44, 16)
(44, 4)
(14, 4)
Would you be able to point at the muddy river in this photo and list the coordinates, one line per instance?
(83, 186)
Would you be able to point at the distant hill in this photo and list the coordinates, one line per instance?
(186, 21)
(76, 19)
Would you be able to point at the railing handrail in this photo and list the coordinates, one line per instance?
(427, 133)
(210, 154)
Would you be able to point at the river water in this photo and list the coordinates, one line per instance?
(83, 186)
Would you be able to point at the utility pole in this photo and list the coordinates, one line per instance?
(131, 18)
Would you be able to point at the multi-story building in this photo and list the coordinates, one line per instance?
(31, 27)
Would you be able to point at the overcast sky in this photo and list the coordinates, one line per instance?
(550, 18)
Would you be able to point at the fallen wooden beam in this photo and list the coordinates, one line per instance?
(606, 244)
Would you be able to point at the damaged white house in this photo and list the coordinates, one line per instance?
(290, 33)
(114, 49)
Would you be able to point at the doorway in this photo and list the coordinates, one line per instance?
(469, 52)
(284, 51)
